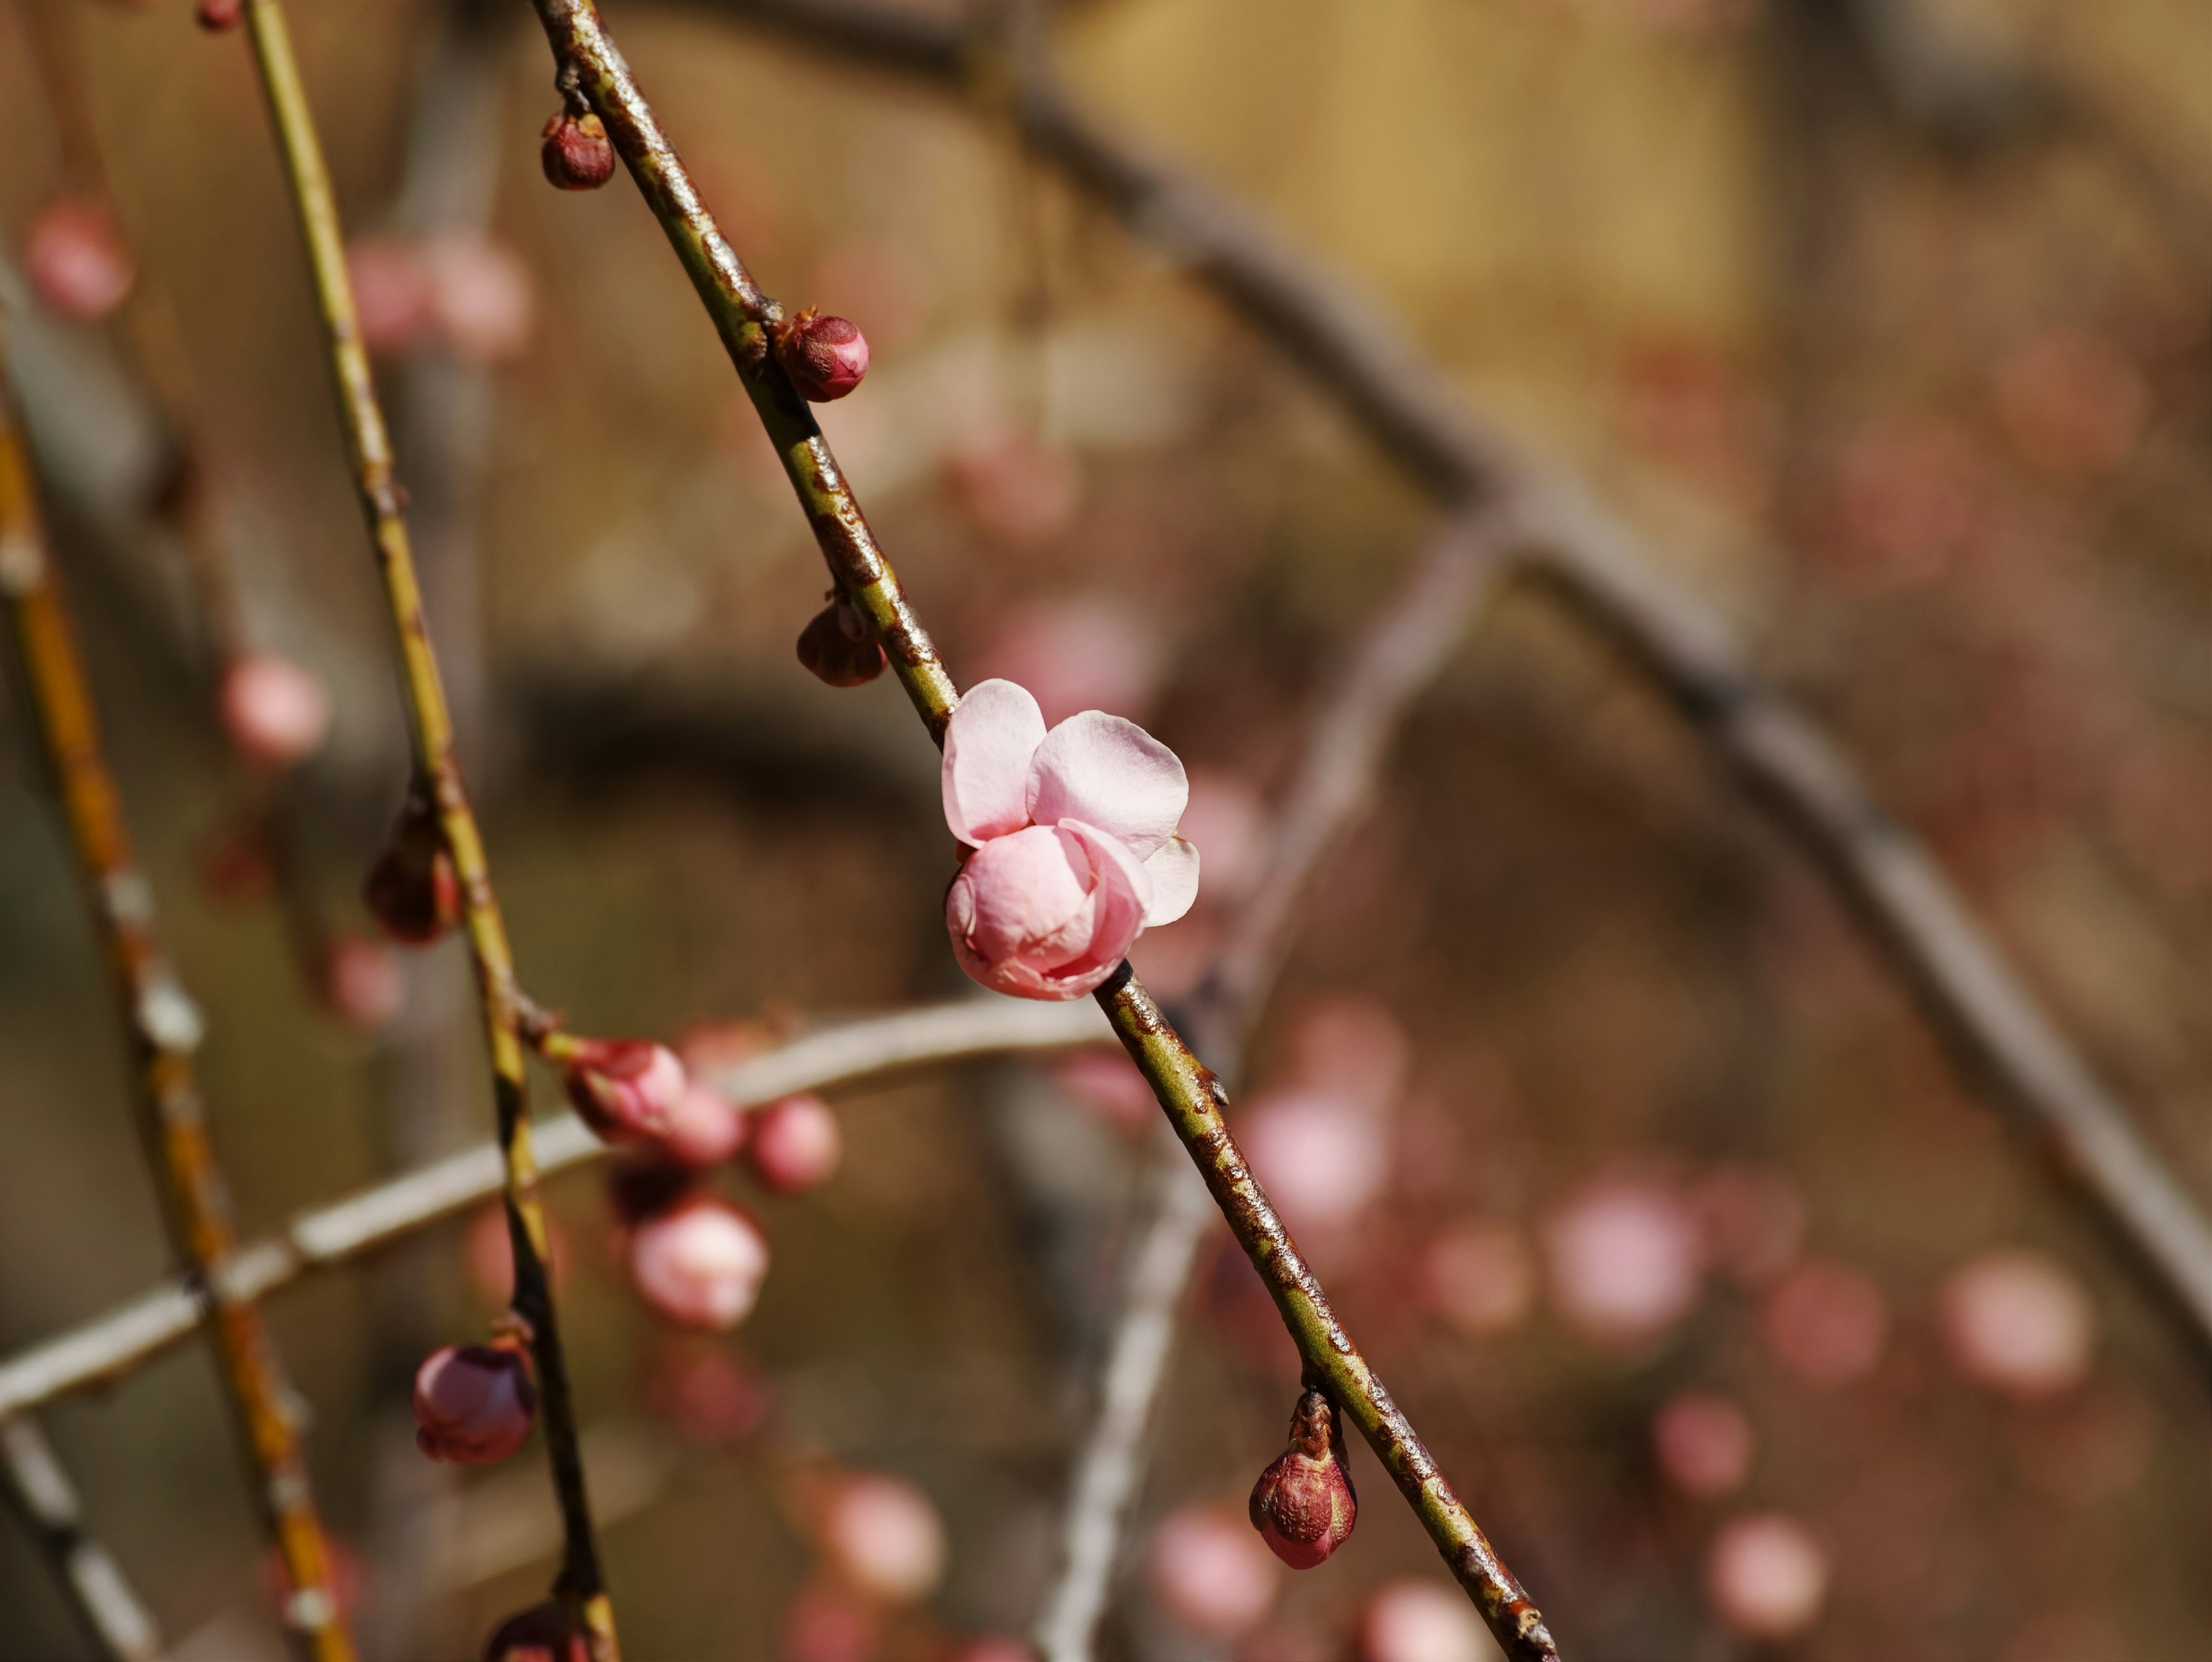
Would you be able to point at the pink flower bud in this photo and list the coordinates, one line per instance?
(275, 712)
(217, 15)
(76, 261)
(838, 649)
(474, 1404)
(1211, 1574)
(626, 1089)
(794, 1144)
(2016, 1323)
(825, 357)
(550, 1632)
(703, 1130)
(1303, 1506)
(362, 982)
(412, 891)
(882, 1536)
(1703, 1443)
(1766, 1577)
(1415, 1621)
(575, 152)
(700, 1264)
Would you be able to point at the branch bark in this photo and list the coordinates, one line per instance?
(1191, 1094)
(581, 1584)
(41, 1492)
(163, 1027)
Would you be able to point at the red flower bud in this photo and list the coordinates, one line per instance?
(76, 262)
(1303, 1506)
(627, 1089)
(825, 357)
(794, 1144)
(474, 1404)
(550, 1632)
(575, 152)
(217, 15)
(412, 891)
(837, 647)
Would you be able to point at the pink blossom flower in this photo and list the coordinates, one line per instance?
(274, 711)
(2016, 1323)
(474, 1404)
(1422, 1621)
(1107, 1084)
(480, 298)
(76, 261)
(1480, 1278)
(1766, 1577)
(703, 1130)
(1210, 1573)
(1703, 1442)
(392, 294)
(700, 1264)
(1321, 1156)
(1625, 1261)
(1827, 1323)
(794, 1144)
(882, 1536)
(826, 1623)
(1074, 834)
(363, 985)
(626, 1089)
(1077, 652)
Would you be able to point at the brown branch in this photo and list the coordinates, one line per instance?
(581, 1584)
(2002, 1040)
(164, 1029)
(1191, 1095)
(41, 1494)
(1399, 652)
(110, 1348)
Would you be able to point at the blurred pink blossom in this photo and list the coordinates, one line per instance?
(1016, 490)
(710, 1396)
(1352, 1046)
(1826, 1323)
(391, 298)
(76, 261)
(1753, 1223)
(488, 1255)
(1322, 1157)
(2016, 1323)
(1210, 1573)
(703, 1129)
(1075, 837)
(1766, 1576)
(275, 712)
(480, 298)
(827, 1623)
(363, 985)
(700, 1264)
(1481, 1277)
(1108, 1084)
(1082, 652)
(882, 1536)
(1703, 1443)
(794, 1144)
(1422, 1621)
(1624, 1256)
(1228, 819)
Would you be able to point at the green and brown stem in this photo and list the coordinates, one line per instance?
(164, 1030)
(430, 732)
(1187, 1090)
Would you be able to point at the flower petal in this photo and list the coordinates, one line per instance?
(989, 746)
(1122, 893)
(1026, 895)
(1174, 868)
(1110, 774)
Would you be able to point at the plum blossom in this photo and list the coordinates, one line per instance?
(1074, 834)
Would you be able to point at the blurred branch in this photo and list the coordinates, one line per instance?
(2002, 1039)
(111, 1347)
(163, 1028)
(437, 781)
(1191, 1096)
(41, 1492)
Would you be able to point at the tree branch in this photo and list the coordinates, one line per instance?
(41, 1492)
(2002, 1040)
(163, 1027)
(1191, 1096)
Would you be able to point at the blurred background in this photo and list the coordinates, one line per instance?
(1737, 1321)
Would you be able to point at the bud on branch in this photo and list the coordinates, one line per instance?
(1303, 1506)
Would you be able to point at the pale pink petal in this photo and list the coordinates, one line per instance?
(1173, 867)
(1122, 895)
(1048, 912)
(1112, 774)
(989, 744)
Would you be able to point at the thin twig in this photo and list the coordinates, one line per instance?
(2004, 1043)
(1399, 652)
(438, 777)
(164, 1029)
(1191, 1096)
(110, 1348)
(41, 1494)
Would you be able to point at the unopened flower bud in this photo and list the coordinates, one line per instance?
(626, 1089)
(576, 153)
(217, 15)
(837, 647)
(825, 357)
(274, 711)
(550, 1632)
(77, 261)
(703, 1130)
(1303, 1506)
(701, 1264)
(795, 1144)
(412, 891)
(474, 1404)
